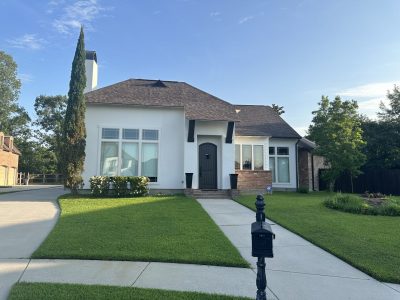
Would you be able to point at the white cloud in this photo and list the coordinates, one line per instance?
(215, 14)
(369, 96)
(79, 13)
(25, 78)
(245, 19)
(27, 41)
(377, 89)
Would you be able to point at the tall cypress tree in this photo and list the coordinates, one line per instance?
(74, 135)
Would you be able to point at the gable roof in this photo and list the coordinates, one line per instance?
(198, 105)
(261, 120)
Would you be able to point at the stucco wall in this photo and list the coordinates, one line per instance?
(214, 132)
(169, 122)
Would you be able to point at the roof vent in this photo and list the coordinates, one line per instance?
(159, 83)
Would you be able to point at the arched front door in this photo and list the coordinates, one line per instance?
(208, 166)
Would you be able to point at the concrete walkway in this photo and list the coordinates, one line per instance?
(169, 276)
(26, 218)
(299, 269)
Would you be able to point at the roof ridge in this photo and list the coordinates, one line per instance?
(204, 92)
(146, 79)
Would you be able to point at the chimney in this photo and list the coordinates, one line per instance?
(91, 71)
(9, 142)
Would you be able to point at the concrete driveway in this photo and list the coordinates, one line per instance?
(26, 218)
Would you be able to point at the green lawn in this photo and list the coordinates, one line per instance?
(165, 229)
(51, 291)
(370, 243)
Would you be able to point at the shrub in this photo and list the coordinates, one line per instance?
(303, 190)
(99, 185)
(120, 186)
(138, 185)
(356, 205)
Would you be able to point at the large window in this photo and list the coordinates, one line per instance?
(279, 164)
(249, 157)
(129, 152)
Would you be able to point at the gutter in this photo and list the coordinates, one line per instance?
(297, 164)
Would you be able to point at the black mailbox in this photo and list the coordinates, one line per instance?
(262, 236)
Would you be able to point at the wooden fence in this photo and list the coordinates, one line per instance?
(373, 180)
(27, 178)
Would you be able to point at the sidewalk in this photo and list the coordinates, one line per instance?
(299, 269)
(169, 276)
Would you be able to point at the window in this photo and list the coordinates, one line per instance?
(249, 157)
(150, 135)
(271, 150)
(246, 157)
(279, 164)
(272, 168)
(109, 159)
(283, 169)
(130, 134)
(130, 158)
(150, 160)
(237, 156)
(127, 155)
(258, 157)
(110, 133)
(283, 150)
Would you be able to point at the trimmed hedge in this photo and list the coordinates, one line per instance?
(119, 186)
(356, 205)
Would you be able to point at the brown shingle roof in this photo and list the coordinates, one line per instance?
(261, 120)
(198, 105)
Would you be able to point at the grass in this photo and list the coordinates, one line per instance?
(164, 229)
(50, 291)
(370, 243)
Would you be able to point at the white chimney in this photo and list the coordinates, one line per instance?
(91, 71)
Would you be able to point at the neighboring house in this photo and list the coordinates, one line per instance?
(9, 156)
(309, 165)
(165, 129)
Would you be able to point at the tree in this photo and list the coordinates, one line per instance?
(383, 135)
(14, 120)
(74, 133)
(50, 111)
(392, 112)
(336, 129)
(278, 109)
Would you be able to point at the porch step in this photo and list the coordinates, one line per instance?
(211, 194)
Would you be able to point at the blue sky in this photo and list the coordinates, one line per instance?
(245, 52)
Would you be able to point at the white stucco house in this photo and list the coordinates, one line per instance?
(165, 129)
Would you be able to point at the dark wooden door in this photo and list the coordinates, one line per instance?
(208, 166)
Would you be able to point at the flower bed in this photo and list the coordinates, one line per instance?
(367, 204)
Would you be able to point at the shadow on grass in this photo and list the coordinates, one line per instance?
(164, 229)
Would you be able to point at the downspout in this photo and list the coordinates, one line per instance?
(297, 164)
(312, 171)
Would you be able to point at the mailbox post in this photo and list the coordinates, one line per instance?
(261, 237)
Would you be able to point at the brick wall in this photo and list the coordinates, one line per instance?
(253, 180)
(305, 169)
(8, 159)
